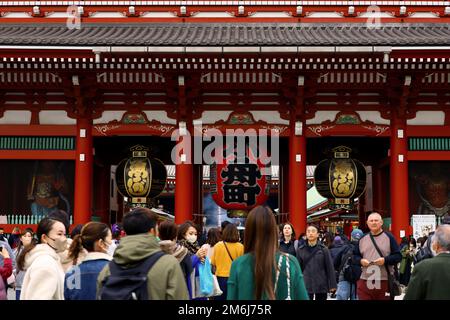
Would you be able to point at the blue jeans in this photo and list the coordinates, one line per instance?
(346, 290)
(17, 294)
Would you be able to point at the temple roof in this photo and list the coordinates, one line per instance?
(226, 34)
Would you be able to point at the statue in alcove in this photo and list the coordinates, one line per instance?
(47, 188)
(433, 188)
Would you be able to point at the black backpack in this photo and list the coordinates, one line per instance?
(424, 252)
(128, 284)
(350, 271)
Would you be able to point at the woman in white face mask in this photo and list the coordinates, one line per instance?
(187, 237)
(44, 277)
(81, 280)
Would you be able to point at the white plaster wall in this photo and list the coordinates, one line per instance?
(160, 116)
(428, 118)
(16, 117)
(108, 116)
(322, 116)
(374, 116)
(210, 117)
(55, 117)
(271, 117)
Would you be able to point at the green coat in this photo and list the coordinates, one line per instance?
(165, 278)
(430, 279)
(241, 281)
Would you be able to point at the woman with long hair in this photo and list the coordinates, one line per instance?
(95, 238)
(26, 239)
(44, 276)
(288, 242)
(263, 272)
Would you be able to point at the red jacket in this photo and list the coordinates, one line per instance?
(6, 270)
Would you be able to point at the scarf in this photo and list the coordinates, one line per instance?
(174, 249)
(192, 247)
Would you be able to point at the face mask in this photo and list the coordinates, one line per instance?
(191, 238)
(111, 248)
(59, 245)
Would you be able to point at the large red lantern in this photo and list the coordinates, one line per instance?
(239, 185)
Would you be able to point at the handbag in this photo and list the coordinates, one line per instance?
(393, 284)
(288, 275)
(217, 291)
(206, 279)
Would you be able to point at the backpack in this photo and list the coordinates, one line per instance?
(128, 284)
(424, 252)
(350, 271)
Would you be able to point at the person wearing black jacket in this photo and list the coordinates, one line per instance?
(317, 266)
(288, 243)
(347, 269)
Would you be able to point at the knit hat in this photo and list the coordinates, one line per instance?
(357, 234)
(337, 240)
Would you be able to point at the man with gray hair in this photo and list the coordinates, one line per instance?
(430, 279)
(377, 253)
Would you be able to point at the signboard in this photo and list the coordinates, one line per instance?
(423, 224)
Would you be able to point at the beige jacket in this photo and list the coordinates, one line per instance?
(44, 278)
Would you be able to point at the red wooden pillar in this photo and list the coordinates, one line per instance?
(184, 196)
(399, 178)
(198, 194)
(297, 178)
(283, 189)
(378, 189)
(83, 172)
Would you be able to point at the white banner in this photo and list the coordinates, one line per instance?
(423, 224)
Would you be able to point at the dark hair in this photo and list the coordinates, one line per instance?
(313, 225)
(224, 224)
(90, 233)
(167, 230)
(184, 228)
(44, 227)
(138, 221)
(293, 230)
(24, 232)
(230, 233)
(61, 216)
(213, 236)
(76, 230)
(422, 240)
(261, 240)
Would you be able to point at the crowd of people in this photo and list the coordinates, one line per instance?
(143, 258)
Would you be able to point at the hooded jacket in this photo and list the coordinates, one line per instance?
(165, 278)
(44, 278)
